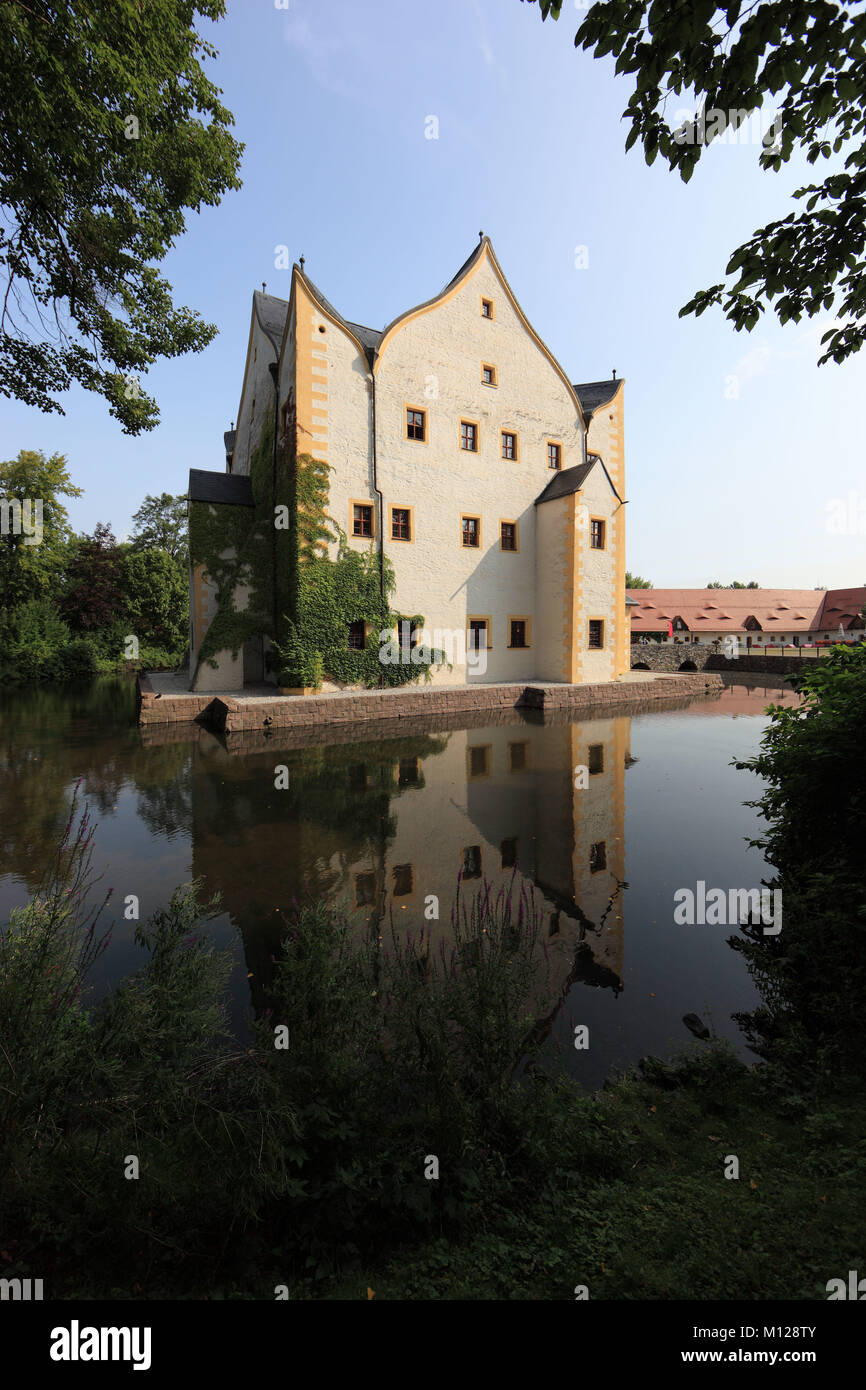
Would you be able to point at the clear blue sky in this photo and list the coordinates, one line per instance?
(331, 98)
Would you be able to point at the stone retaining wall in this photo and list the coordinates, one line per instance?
(227, 715)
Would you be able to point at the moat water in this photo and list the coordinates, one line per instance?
(384, 824)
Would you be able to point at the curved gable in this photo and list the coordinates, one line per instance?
(482, 254)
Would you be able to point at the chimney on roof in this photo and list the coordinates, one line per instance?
(264, 286)
(481, 236)
(303, 262)
(233, 424)
(614, 373)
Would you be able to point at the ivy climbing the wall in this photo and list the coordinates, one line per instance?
(333, 595)
(306, 603)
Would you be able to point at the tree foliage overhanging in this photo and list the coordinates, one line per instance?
(110, 133)
(807, 57)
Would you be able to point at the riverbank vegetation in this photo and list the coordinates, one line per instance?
(375, 1131)
(73, 606)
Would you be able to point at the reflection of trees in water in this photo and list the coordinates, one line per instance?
(164, 783)
(53, 737)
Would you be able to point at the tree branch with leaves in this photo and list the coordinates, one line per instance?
(809, 58)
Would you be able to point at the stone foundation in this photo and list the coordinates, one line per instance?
(227, 714)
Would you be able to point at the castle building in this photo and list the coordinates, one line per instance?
(456, 447)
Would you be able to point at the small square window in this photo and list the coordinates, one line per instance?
(598, 857)
(362, 520)
(401, 524)
(596, 535)
(404, 880)
(508, 535)
(509, 445)
(595, 759)
(487, 308)
(488, 375)
(596, 633)
(518, 633)
(468, 436)
(554, 455)
(416, 424)
(472, 531)
(472, 861)
(508, 850)
(357, 636)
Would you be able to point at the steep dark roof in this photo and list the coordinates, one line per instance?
(592, 394)
(563, 483)
(572, 480)
(370, 337)
(271, 314)
(229, 439)
(470, 259)
(231, 489)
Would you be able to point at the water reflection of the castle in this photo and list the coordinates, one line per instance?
(382, 824)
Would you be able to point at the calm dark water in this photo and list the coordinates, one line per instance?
(382, 821)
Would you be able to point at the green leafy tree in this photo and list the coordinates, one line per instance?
(156, 590)
(161, 524)
(110, 133)
(808, 58)
(634, 581)
(31, 565)
(94, 596)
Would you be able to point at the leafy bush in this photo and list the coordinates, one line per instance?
(812, 976)
(36, 645)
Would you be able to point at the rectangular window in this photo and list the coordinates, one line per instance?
(517, 757)
(596, 534)
(472, 861)
(469, 436)
(362, 520)
(488, 375)
(487, 308)
(478, 761)
(401, 524)
(471, 531)
(518, 633)
(596, 633)
(404, 880)
(365, 889)
(509, 445)
(508, 535)
(478, 634)
(416, 423)
(554, 455)
(595, 759)
(357, 636)
(598, 857)
(358, 777)
(409, 772)
(508, 850)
